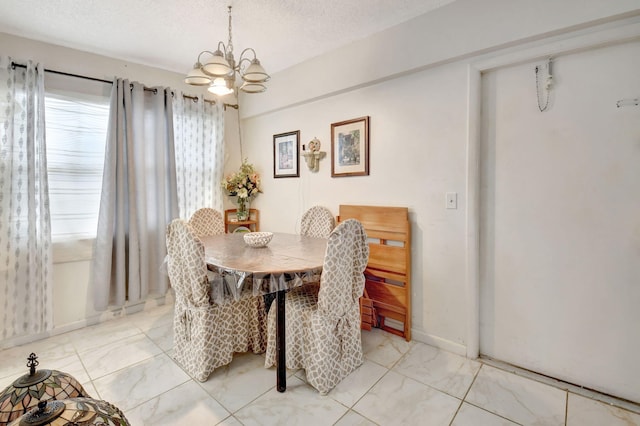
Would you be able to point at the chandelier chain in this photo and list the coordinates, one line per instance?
(230, 36)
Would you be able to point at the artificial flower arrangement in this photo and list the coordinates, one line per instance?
(244, 184)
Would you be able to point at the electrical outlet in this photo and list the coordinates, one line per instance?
(452, 200)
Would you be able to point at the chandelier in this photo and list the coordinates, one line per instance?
(220, 69)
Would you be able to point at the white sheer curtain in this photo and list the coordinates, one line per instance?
(199, 133)
(25, 234)
(138, 196)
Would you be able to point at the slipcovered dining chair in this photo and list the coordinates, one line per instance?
(323, 322)
(317, 222)
(207, 221)
(206, 333)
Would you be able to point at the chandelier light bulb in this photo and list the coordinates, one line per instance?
(219, 87)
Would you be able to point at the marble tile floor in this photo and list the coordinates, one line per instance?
(127, 361)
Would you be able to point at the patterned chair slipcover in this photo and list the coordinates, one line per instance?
(207, 221)
(317, 222)
(323, 322)
(206, 334)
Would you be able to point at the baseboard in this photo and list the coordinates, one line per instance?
(439, 342)
(149, 303)
(23, 340)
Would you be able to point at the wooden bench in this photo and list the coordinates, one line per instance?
(388, 273)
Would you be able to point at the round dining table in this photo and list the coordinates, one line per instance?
(288, 261)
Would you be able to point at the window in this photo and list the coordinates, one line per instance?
(76, 137)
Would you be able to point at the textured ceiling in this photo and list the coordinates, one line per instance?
(169, 34)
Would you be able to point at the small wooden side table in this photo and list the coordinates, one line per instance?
(231, 223)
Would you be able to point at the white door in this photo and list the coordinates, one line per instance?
(560, 220)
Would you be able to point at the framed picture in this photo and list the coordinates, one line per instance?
(286, 154)
(350, 147)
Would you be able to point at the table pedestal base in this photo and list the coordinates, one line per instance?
(280, 342)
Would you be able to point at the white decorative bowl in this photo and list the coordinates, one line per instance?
(257, 239)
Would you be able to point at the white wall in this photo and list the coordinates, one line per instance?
(421, 108)
(417, 146)
(459, 30)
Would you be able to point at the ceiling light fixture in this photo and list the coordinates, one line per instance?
(219, 71)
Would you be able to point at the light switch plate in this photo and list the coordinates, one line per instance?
(452, 200)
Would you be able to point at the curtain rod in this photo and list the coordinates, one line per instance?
(195, 98)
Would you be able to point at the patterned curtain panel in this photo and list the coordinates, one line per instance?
(25, 233)
(199, 133)
(138, 197)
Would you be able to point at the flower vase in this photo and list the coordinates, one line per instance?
(242, 212)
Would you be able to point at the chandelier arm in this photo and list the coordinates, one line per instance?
(240, 61)
(202, 53)
(242, 54)
(224, 47)
(244, 58)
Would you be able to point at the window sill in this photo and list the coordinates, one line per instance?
(73, 250)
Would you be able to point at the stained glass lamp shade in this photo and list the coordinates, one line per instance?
(73, 411)
(42, 385)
